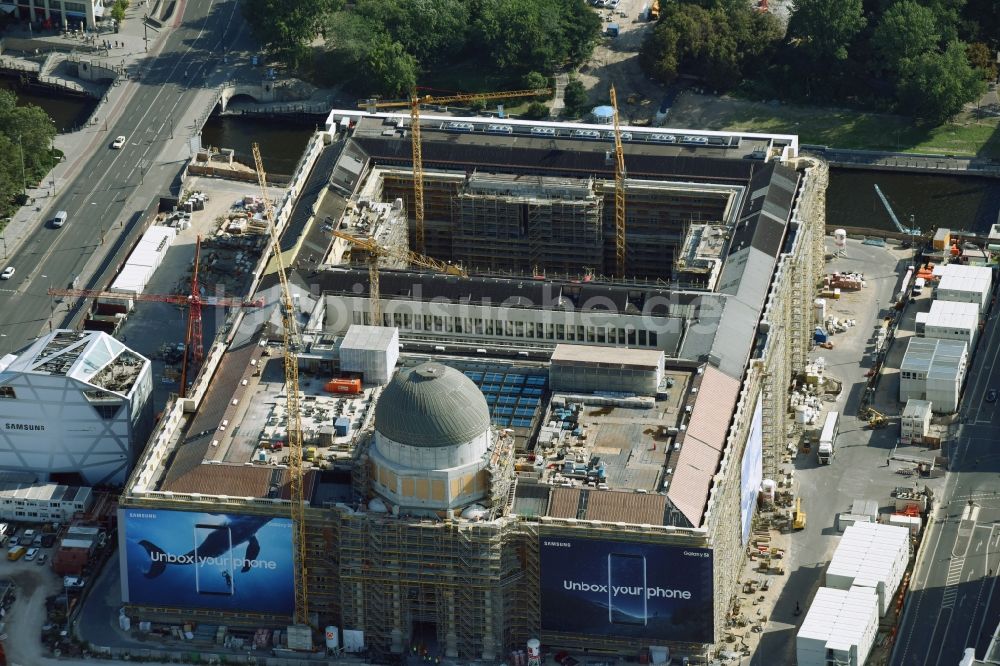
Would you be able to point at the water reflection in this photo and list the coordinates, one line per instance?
(956, 202)
(66, 112)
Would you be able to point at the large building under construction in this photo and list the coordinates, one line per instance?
(555, 455)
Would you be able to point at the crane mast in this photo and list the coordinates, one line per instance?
(290, 347)
(419, 233)
(375, 251)
(619, 191)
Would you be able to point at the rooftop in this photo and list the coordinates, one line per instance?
(91, 357)
(956, 277)
(937, 358)
(952, 314)
(620, 358)
(631, 446)
(840, 618)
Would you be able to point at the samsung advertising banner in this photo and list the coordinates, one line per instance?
(635, 590)
(207, 560)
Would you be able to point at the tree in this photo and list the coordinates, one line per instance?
(118, 11)
(934, 86)
(826, 28)
(536, 111)
(286, 27)
(430, 30)
(533, 80)
(906, 30)
(541, 35)
(575, 98)
(981, 58)
(721, 45)
(389, 68)
(25, 132)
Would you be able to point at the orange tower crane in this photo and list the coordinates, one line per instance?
(375, 251)
(290, 347)
(418, 167)
(194, 301)
(619, 191)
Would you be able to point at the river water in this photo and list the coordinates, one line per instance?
(66, 112)
(282, 141)
(958, 202)
(967, 203)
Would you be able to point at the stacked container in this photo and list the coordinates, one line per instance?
(871, 555)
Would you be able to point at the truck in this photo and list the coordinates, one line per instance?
(16, 552)
(918, 286)
(654, 10)
(828, 438)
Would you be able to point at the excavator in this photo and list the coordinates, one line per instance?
(876, 419)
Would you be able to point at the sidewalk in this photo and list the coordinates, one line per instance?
(79, 146)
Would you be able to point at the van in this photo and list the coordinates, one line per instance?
(16, 552)
(60, 219)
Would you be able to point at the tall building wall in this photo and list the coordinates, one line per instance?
(406, 582)
(493, 232)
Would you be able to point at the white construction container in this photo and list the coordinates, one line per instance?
(871, 555)
(370, 350)
(131, 280)
(839, 627)
(912, 523)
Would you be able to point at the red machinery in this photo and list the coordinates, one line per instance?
(195, 301)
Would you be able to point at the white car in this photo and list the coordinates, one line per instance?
(7, 274)
(118, 142)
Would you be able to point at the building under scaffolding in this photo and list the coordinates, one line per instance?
(470, 509)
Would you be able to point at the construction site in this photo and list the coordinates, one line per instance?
(527, 396)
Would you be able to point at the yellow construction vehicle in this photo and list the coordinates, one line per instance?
(876, 419)
(418, 168)
(376, 251)
(799, 517)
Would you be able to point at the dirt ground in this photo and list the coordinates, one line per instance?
(27, 615)
(616, 60)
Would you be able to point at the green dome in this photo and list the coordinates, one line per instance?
(431, 405)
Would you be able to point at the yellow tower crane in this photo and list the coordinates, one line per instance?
(619, 191)
(290, 346)
(375, 251)
(418, 166)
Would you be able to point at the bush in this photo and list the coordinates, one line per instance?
(536, 111)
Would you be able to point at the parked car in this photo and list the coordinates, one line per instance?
(37, 541)
(7, 274)
(48, 540)
(73, 582)
(31, 554)
(41, 559)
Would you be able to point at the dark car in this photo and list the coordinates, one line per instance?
(48, 540)
(991, 395)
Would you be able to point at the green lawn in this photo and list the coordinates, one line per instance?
(842, 128)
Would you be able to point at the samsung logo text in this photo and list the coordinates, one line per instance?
(23, 426)
(557, 544)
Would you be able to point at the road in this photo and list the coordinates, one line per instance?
(113, 185)
(954, 602)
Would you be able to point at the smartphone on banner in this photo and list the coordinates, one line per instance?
(213, 572)
(627, 599)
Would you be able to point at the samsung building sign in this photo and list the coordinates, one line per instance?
(23, 427)
(636, 590)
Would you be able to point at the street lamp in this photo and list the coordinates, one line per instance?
(20, 151)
